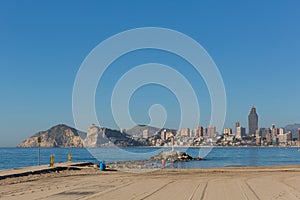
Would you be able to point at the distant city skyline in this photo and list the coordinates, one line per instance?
(255, 45)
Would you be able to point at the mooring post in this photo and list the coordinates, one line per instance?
(69, 157)
(52, 161)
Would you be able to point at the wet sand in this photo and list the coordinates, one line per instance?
(281, 182)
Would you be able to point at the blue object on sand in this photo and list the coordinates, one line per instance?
(102, 166)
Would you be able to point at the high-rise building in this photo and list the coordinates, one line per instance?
(185, 132)
(211, 131)
(264, 131)
(258, 140)
(163, 134)
(289, 136)
(199, 132)
(275, 132)
(237, 124)
(227, 131)
(281, 131)
(205, 132)
(272, 127)
(240, 132)
(285, 138)
(268, 138)
(282, 138)
(253, 121)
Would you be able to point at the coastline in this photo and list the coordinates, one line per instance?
(218, 157)
(282, 182)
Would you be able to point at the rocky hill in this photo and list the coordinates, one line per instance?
(58, 136)
(137, 131)
(293, 128)
(67, 137)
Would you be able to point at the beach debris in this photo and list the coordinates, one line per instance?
(102, 166)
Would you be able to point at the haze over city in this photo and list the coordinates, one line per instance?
(255, 45)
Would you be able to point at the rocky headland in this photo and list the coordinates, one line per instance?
(57, 136)
(67, 137)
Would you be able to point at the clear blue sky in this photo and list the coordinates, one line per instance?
(255, 44)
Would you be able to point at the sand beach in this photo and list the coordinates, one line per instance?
(281, 182)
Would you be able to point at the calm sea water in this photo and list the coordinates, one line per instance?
(217, 157)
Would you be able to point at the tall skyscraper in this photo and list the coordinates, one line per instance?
(253, 121)
(299, 134)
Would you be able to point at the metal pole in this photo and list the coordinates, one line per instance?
(172, 139)
(39, 152)
(39, 155)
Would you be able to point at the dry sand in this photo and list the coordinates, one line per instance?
(227, 183)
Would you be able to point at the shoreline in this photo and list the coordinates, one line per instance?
(67, 166)
(234, 183)
(290, 156)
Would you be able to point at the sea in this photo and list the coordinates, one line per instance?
(213, 157)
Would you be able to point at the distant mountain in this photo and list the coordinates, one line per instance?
(64, 136)
(137, 131)
(58, 136)
(293, 128)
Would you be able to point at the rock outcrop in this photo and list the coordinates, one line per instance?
(173, 156)
(58, 136)
(95, 137)
(101, 137)
(153, 162)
